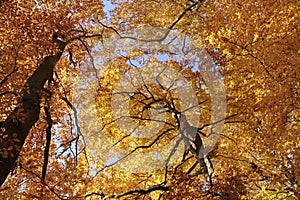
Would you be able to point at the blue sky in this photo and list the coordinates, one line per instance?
(107, 7)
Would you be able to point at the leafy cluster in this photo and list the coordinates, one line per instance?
(49, 143)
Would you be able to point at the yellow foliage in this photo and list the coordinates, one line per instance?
(255, 48)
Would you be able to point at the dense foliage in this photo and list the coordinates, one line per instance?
(49, 146)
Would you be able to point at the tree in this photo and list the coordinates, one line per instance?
(48, 139)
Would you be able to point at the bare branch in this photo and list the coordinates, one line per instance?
(48, 140)
(44, 183)
(140, 147)
(146, 191)
(8, 92)
(92, 61)
(188, 9)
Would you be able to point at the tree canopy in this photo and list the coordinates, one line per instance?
(187, 99)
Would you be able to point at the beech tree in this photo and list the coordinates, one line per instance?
(60, 130)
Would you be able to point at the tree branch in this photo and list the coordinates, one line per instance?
(48, 140)
(146, 191)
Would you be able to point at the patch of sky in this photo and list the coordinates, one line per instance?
(111, 160)
(157, 156)
(162, 57)
(135, 134)
(108, 8)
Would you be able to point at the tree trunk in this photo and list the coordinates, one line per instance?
(17, 125)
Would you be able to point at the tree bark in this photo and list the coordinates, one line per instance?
(17, 125)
